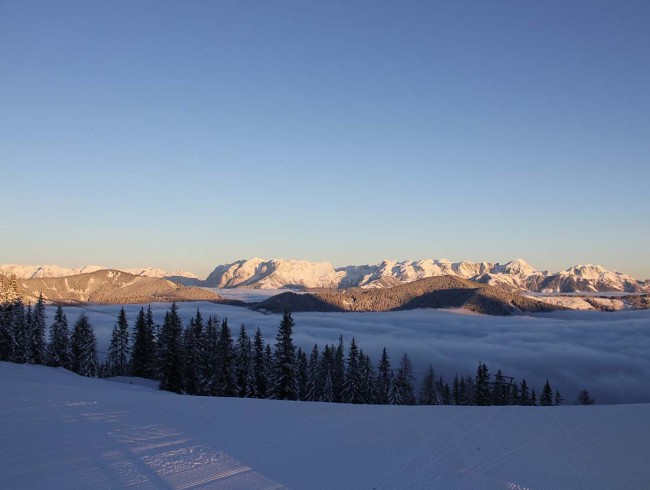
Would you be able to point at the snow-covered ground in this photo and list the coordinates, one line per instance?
(607, 353)
(60, 431)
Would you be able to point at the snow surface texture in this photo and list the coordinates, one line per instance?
(63, 431)
(607, 353)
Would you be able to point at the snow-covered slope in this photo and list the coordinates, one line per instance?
(515, 275)
(63, 431)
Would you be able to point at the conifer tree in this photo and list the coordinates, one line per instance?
(170, 351)
(36, 342)
(455, 394)
(7, 340)
(367, 379)
(482, 395)
(302, 373)
(558, 398)
(546, 398)
(533, 398)
(325, 378)
(584, 398)
(259, 382)
(210, 360)
(243, 351)
(404, 381)
(83, 347)
(226, 383)
(383, 379)
(524, 394)
(21, 318)
(285, 382)
(338, 371)
(463, 399)
(192, 352)
(499, 389)
(428, 395)
(118, 351)
(143, 354)
(352, 385)
(59, 346)
(313, 391)
(394, 393)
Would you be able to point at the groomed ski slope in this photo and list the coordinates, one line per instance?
(59, 430)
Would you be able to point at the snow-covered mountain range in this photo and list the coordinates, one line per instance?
(515, 275)
(36, 271)
(257, 273)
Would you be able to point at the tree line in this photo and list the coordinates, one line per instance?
(205, 358)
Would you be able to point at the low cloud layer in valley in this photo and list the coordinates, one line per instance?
(607, 353)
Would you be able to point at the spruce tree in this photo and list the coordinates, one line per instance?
(584, 398)
(170, 352)
(21, 319)
(546, 398)
(455, 394)
(383, 379)
(243, 350)
(36, 342)
(259, 382)
(302, 373)
(558, 398)
(118, 351)
(83, 347)
(325, 377)
(482, 395)
(226, 383)
(369, 391)
(210, 359)
(285, 383)
(59, 346)
(192, 337)
(143, 354)
(533, 398)
(404, 381)
(312, 389)
(352, 385)
(338, 371)
(428, 388)
(524, 394)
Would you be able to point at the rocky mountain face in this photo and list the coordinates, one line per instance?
(108, 287)
(432, 292)
(516, 275)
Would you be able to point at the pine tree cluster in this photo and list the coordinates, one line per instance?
(202, 358)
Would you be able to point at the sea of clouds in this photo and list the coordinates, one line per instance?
(607, 353)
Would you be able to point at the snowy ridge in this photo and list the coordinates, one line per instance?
(258, 273)
(38, 271)
(516, 275)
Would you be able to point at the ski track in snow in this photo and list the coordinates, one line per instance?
(62, 431)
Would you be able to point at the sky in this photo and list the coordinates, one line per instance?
(608, 354)
(190, 134)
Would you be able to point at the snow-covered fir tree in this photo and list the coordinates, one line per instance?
(428, 392)
(36, 345)
(225, 380)
(353, 385)
(259, 380)
(482, 390)
(404, 381)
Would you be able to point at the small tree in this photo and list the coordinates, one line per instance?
(118, 351)
(584, 398)
(546, 398)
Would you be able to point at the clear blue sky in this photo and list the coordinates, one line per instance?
(187, 134)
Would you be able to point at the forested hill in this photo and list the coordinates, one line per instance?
(433, 292)
(106, 287)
